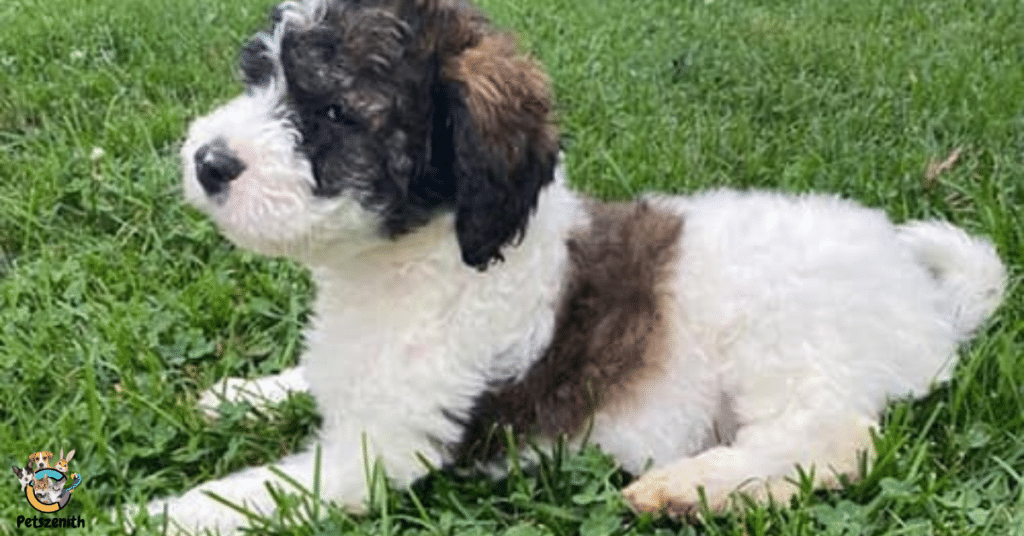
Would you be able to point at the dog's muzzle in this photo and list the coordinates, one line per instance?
(216, 166)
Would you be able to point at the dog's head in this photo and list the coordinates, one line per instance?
(40, 459)
(363, 120)
(24, 475)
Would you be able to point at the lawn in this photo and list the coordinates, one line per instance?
(118, 304)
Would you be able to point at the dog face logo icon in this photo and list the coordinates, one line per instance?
(44, 486)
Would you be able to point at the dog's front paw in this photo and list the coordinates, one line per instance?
(230, 390)
(194, 513)
(259, 393)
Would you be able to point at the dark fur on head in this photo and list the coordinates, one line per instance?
(416, 107)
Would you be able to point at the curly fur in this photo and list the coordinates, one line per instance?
(405, 151)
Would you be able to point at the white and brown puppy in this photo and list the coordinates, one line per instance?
(405, 152)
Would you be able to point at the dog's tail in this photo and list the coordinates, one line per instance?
(967, 269)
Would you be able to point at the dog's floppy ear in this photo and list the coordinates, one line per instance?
(504, 144)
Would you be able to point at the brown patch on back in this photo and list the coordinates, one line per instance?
(611, 331)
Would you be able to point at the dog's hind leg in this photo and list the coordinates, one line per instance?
(761, 464)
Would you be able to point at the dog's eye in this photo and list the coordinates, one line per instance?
(335, 114)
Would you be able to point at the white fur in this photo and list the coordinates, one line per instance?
(25, 476)
(807, 312)
(802, 314)
(270, 206)
(262, 392)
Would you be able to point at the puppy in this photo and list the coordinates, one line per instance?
(41, 459)
(25, 476)
(405, 152)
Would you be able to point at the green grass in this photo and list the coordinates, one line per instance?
(118, 304)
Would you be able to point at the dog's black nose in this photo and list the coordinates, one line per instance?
(216, 166)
